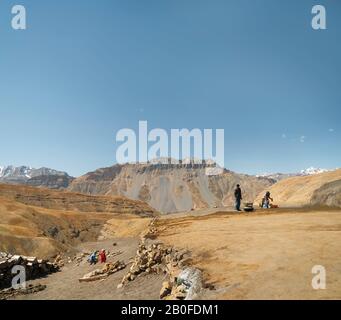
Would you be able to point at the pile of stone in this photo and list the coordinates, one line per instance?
(35, 268)
(151, 231)
(154, 258)
(182, 285)
(147, 259)
(106, 271)
(59, 261)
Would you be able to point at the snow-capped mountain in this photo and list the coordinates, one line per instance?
(39, 177)
(312, 170)
(306, 172)
(9, 172)
(277, 176)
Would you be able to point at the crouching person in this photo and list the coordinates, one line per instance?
(93, 258)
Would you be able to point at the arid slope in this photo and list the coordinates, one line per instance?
(62, 200)
(303, 191)
(43, 222)
(170, 188)
(328, 195)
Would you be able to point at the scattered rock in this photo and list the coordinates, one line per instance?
(183, 284)
(154, 257)
(106, 271)
(35, 268)
(165, 290)
(179, 292)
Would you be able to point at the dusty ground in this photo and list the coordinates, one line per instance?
(64, 285)
(264, 255)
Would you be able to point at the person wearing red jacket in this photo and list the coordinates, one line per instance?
(102, 256)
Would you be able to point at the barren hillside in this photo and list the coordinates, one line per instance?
(170, 188)
(61, 200)
(306, 190)
(43, 222)
(329, 194)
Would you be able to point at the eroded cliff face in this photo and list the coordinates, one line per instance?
(50, 181)
(328, 195)
(169, 187)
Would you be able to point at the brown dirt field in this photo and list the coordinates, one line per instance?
(43, 223)
(64, 285)
(263, 255)
(267, 254)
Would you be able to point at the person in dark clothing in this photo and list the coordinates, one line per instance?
(93, 258)
(238, 196)
(266, 200)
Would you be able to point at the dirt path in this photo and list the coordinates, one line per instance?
(65, 285)
(264, 255)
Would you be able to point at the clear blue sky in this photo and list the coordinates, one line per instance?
(84, 69)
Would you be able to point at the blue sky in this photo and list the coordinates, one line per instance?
(85, 69)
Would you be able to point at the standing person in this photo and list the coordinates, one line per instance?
(102, 256)
(267, 199)
(238, 196)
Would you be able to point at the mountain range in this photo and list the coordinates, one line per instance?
(171, 187)
(306, 172)
(164, 186)
(42, 177)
